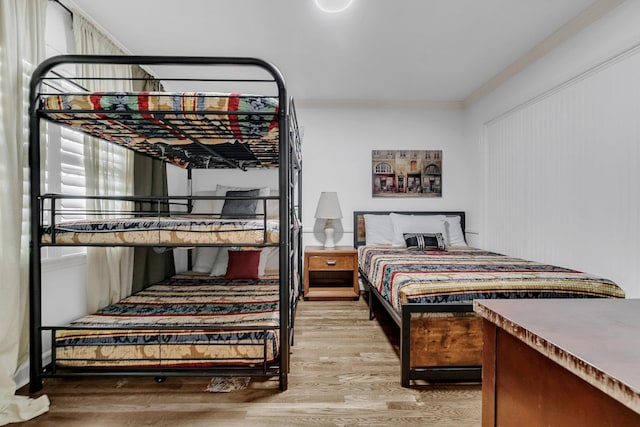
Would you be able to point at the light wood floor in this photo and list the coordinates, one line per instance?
(345, 371)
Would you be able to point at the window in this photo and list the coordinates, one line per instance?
(383, 168)
(64, 158)
(27, 69)
(65, 174)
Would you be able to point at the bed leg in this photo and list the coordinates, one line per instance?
(405, 347)
(370, 298)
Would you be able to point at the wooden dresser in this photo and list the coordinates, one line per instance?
(561, 362)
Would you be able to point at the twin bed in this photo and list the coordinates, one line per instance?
(429, 290)
(237, 324)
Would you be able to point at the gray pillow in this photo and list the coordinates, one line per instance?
(240, 208)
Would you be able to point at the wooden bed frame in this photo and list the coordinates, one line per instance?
(438, 342)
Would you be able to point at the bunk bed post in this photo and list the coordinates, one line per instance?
(299, 250)
(285, 229)
(189, 209)
(299, 201)
(35, 273)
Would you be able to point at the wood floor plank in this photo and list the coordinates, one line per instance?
(345, 371)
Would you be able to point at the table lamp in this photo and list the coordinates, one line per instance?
(328, 209)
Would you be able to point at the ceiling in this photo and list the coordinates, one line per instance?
(377, 51)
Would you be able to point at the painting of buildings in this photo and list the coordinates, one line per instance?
(406, 173)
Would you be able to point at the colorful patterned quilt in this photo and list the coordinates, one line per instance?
(175, 230)
(185, 129)
(188, 320)
(462, 274)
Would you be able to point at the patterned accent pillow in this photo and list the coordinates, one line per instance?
(423, 241)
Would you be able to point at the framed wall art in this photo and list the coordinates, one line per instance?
(406, 173)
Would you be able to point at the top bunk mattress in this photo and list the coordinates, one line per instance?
(462, 274)
(187, 129)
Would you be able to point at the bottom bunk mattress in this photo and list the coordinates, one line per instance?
(188, 320)
(462, 274)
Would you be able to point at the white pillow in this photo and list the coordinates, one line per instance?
(204, 257)
(221, 190)
(378, 229)
(273, 206)
(269, 260)
(454, 236)
(219, 267)
(415, 224)
(203, 206)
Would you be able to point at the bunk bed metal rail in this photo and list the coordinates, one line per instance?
(151, 215)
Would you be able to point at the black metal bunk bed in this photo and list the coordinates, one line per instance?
(205, 142)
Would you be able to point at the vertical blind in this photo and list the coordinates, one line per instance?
(562, 174)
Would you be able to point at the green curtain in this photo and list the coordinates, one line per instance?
(149, 178)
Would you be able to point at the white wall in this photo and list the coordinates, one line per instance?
(568, 80)
(337, 148)
(206, 180)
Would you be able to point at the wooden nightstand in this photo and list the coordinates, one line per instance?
(331, 274)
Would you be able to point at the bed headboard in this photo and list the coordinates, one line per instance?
(359, 235)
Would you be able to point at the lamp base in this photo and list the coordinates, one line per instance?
(328, 239)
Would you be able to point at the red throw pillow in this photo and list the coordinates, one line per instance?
(243, 265)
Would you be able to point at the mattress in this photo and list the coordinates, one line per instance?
(185, 321)
(175, 230)
(462, 274)
(187, 129)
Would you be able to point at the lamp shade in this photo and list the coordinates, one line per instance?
(328, 206)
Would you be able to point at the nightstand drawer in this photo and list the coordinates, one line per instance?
(331, 262)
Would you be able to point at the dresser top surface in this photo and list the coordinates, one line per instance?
(596, 339)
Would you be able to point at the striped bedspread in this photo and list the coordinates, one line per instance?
(187, 321)
(161, 124)
(462, 274)
(174, 230)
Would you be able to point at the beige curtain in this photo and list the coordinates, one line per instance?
(109, 171)
(21, 48)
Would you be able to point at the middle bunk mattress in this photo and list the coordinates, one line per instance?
(176, 230)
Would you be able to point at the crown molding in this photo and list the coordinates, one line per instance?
(378, 104)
